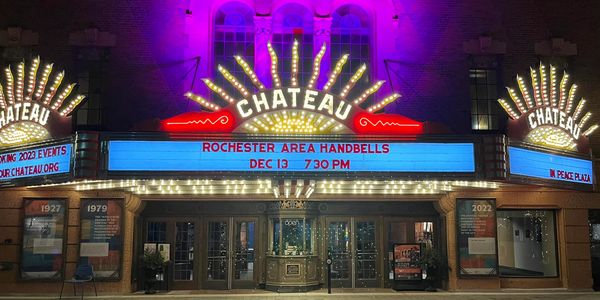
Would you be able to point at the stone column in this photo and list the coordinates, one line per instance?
(262, 61)
(322, 34)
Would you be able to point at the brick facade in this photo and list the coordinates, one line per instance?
(416, 46)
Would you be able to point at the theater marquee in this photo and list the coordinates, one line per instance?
(546, 114)
(293, 109)
(30, 102)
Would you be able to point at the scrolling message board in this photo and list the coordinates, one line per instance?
(43, 239)
(36, 162)
(101, 239)
(290, 156)
(476, 237)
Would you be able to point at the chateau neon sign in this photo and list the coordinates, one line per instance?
(549, 111)
(26, 110)
(293, 98)
(292, 109)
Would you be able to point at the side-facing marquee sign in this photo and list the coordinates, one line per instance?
(554, 167)
(244, 156)
(33, 162)
(546, 114)
(292, 109)
(29, 103)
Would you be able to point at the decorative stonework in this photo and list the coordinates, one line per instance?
(555, 47)
(92, 37)
(484, 45)
(288, 204)
(322, 26)
(263, 25)
(18, 37)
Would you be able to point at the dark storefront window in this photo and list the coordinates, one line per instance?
(91, 64)
(89, 114)
(527, 243)
(484, 99)
(156, 232)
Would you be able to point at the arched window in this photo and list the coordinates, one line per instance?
(350, 34)
(234, 35)
(293, 21)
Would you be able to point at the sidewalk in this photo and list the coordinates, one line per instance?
(345, 294)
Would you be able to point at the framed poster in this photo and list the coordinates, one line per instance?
(165, 251)
(44, 234)
(407, 262)
(101, 240)
(476, 237)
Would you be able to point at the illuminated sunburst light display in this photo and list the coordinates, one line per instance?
(25, 109)
(548, 106)
(292, 108)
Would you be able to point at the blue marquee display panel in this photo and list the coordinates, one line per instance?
(247, 156)
(35, 162)
(542, 165)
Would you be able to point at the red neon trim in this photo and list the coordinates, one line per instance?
(224, 121)
(367, 123)
(210, 122)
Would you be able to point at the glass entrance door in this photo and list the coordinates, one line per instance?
(353, 246)
(230, 253)
(217, 260)
(366, 253)
(244, 254)
(339, 250)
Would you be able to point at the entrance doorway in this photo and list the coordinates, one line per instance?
(594, 222)
(230, 253)
(402, 231)
(180, 236)
(352, 244)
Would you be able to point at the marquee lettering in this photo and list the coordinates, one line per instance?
(553, 117)
(294, 98)
(25, 111)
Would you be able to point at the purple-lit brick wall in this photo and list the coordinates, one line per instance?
(153, 61)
